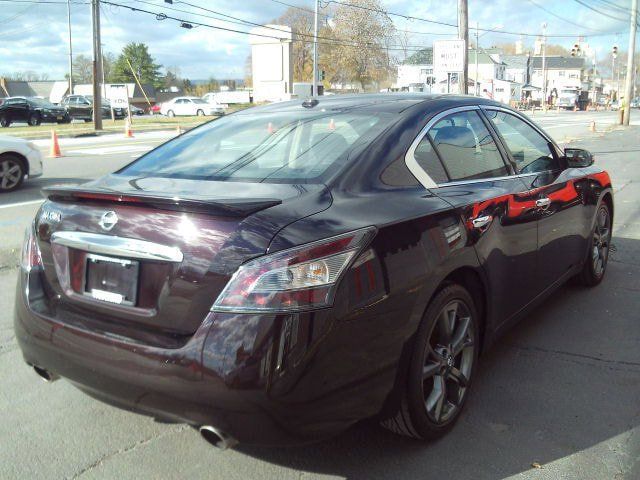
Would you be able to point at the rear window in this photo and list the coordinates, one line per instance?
(286, 147)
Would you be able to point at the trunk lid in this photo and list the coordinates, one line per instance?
(173, 244)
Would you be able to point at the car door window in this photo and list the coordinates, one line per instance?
(531, 151)
(466, 147)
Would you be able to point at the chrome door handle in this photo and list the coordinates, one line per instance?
(543, 202)
(480, 222)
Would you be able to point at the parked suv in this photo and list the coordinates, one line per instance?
(81, 107)
(31, 110)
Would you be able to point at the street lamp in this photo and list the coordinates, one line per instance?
(476, 89)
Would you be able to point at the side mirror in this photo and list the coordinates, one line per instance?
(578, 157)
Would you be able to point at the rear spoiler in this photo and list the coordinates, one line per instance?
(236, 207)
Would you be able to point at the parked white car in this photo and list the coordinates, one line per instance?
(19, 160)
(189, 106)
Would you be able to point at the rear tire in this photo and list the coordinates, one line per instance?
(200, 113)
(441, 368)
(12, 171)
(4, 122)
(595, 265)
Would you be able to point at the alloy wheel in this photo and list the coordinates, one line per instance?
(601, 241)
(10, 174)
(448, 362)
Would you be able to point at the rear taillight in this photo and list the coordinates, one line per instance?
(30, 251)
(297, 279)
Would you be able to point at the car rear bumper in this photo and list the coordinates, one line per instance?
(228, 374)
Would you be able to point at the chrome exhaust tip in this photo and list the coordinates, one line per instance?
(217, 438)
(46, 375)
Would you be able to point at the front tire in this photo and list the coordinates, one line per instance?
(441, 367)
(200, 113)
(4, 122)
(599, 248)
(34, 120)
(12, 172)
(170, 114)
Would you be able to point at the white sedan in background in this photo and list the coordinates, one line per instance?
(19, 160)
(189, 106)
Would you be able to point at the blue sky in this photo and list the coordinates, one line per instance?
(33, 36)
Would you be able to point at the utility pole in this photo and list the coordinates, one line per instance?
(628, 87)
(463, 34)
(70, 48)
(594, 98)
(97, 94)
(314, 90)
(544, 66)
(476, 88)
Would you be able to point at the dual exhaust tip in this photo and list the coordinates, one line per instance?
(211, 434)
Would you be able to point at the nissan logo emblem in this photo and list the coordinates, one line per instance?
(108, 220)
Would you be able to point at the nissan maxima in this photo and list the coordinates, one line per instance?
(278, 274)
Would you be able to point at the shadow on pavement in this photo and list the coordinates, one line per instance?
(562, 381)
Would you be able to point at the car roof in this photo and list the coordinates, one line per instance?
(380, 102)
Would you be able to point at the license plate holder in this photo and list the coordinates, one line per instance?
(112, 280)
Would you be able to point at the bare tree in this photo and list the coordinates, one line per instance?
(360, 52)
(301, 23)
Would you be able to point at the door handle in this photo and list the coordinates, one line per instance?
(543, 202)
(480, 222)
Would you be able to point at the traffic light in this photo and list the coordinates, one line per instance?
(322, 75)
(575, 50)
(614, 52)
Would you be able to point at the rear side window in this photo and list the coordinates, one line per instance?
(428, 160)
(289, 147)
(530, 150)
(466, 147)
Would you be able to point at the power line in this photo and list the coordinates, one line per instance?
(331, 42)
(505, 32)
(586, 5)
(544, 9)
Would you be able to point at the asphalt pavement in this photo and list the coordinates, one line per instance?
(557, 398)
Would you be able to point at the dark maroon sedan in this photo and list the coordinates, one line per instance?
(276, 275)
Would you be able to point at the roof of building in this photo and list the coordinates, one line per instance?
(421, 57)
(484, 57)
(559, 63)
(515, 61)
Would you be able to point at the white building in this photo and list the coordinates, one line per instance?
(271, 55)
(485, 67)
(561, 72)
(416, 72)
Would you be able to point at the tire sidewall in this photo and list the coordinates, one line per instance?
(4, 122)
(590, 276)
(22, 167)
(424, 426)
(34, 119)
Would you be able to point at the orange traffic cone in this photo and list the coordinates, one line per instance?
(128, 132)
(54, 151)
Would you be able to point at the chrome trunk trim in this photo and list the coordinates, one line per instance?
(118, 246)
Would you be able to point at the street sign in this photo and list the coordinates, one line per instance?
(118, 95)
(448, 56)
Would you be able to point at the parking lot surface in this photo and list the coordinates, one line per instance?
(557, 398)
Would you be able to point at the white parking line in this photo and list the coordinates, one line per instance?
(20, 204)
